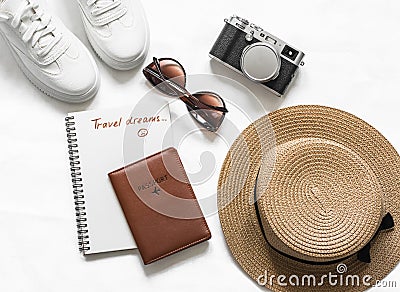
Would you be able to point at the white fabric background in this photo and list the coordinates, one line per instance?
(352, 63)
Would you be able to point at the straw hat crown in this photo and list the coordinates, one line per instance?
(323, 202)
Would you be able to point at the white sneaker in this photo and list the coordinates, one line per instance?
(52, 58)
(117, 30)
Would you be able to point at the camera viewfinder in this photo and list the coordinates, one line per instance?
(290, 53)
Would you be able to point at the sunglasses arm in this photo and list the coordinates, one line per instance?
(183, 94)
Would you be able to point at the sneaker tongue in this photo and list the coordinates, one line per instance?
(13, 6)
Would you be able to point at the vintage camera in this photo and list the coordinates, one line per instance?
(257, 54)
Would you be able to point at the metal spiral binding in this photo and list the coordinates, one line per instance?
(77, 185)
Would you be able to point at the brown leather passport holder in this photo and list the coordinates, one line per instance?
(160, 206)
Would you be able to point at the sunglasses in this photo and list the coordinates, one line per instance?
(168, 75)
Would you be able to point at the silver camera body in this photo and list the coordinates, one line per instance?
(257, 54)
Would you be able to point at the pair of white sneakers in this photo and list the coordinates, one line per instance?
(54, 59)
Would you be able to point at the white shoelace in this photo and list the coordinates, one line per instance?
(102, 6)
(35, 26)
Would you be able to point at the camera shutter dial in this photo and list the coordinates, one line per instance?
(260, 62)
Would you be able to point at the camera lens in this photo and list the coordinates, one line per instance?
(290, 53)
(260, 62)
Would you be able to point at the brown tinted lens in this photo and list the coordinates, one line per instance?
(208, 117)
(209, 98)
(171, 70)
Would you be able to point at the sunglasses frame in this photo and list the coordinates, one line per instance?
(194, 105)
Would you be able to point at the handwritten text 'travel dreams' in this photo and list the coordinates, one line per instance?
(99, 123)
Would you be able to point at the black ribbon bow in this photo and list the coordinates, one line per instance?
(364, 254)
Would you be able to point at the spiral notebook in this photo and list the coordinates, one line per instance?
(99, 142)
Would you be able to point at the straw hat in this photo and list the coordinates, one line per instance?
(309, 191)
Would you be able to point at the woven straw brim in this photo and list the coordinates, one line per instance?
(238, 177)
